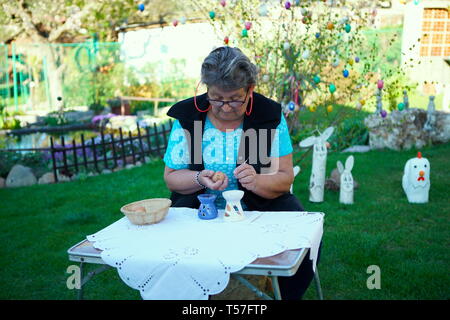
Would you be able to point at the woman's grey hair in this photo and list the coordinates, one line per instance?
(229, 69)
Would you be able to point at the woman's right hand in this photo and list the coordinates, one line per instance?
(205, 178)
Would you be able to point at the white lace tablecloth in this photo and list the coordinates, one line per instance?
(184, 257)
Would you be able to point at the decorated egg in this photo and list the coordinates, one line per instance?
(312, 109)
(266, 78)
(362, 101)
(332, 88)
(287, 5)
(335, 62)
(244, 33)
(263, 10)
(356, 59)
(330, 25)
(401, 106)
(358, 105)
(248, 25)
(141, 7)
(383, 113)
(286, 46)
(218, 175)
(345, 73)
(303, 11)
(223, 3)
(380, 84)
(305, 54)
(317, 35)
(212, 14)
(329, 108)
(316, 79)
(348, 27)
(226, 40)
(291, 106)
(350, 61)
(175, 22)
(183, 20)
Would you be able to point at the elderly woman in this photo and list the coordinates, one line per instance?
(239, 132)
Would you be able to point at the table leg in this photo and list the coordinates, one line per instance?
(318, 287)
(276, 288)
(255, 290)
(80, 291)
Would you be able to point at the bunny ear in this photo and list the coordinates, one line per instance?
(349, 163)
(307, 142)
(340, 167)
(327, 133)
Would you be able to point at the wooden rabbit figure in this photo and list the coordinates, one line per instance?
(317, 179)
(347, 185)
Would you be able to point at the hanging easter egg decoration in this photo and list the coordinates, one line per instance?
(297, 2)
(303, 11)
(358, 105)
(141, 7)
(345, 73)
(175, 22)
(356, 59)
(212, 14)
(287, 5)
(401, 106)
(226, 40)
(291, 106)
(317, 35)
(362, 101)
(248, 25)
(374, 12)
(383, 113)
(330, 108)
(330, 25)
(286, 46)
(223, 3)
(335, 63)
(305, 20)
(316, 79)
(263, 10)
(266, 78)
(348, 27)
(380, 84)
(416, 2)
(312, 109)
(183, 20)
(332, 88)
(244, 33)
(305, 54)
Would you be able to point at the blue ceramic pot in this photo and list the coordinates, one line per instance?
(207, 209)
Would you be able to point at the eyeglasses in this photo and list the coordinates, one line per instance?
(233, 104)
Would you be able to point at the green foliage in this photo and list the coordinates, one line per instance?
(34, 160)
(349, 132)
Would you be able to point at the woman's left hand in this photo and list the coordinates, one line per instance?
(246, 175)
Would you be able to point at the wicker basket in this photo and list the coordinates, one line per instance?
(147, 211)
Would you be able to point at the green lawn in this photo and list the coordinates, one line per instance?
(408, 242)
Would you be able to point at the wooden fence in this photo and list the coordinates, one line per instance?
(109, 152)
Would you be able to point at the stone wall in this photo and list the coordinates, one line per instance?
(402, 130)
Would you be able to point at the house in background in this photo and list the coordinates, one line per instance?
(426, 43)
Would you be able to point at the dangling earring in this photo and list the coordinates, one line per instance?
(251, 106)
(195, 100)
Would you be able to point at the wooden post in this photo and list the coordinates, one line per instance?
(95, 154)
(105, 159)
(132, 147)
(140, 143)
(52, 150)
(64, 154)
(155, 110)
(123, 148)
(83, 148)
(113, 144)
(75, 160)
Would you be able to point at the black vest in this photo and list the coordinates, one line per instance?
(266, 115)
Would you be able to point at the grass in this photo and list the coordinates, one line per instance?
(408, 242)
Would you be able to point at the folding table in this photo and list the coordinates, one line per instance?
(283, 264)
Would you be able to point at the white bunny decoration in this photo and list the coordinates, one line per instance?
(317, 179)
(416, 179)
(347, 185)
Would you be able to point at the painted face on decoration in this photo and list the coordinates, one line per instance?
(228, 112)
(419, 172)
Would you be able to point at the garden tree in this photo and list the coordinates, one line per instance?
(309, 53)
(60, 21)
